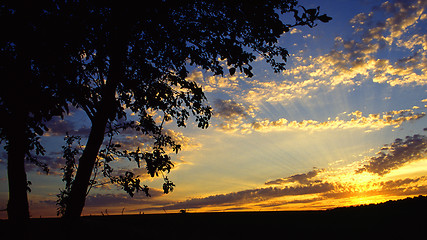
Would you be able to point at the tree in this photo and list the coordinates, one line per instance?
(35, 66)
(137, 58)
(119, 73)
(105, 57)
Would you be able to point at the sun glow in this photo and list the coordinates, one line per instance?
(364, 198)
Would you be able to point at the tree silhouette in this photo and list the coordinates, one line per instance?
(35, 67)
(138, 57)
(120, 56)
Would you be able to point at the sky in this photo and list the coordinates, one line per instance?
(343, 125)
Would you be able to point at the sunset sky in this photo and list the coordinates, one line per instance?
(343, 125)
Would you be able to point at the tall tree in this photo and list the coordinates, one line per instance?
(136, 57)
(35, 66)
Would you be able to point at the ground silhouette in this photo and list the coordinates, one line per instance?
(398, 219)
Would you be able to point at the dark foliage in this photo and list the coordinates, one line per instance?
(70, 151)
(36, 66)
(137, 57)
(108, 56)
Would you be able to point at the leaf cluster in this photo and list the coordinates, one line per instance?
(37, 64)
(157, 161)
(71, 150)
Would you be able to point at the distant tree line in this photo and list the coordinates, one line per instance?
(413, 204)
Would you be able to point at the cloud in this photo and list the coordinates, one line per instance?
(397, 154)
(404, 14)
(59, 127)
(391, 27)
(353, 61)
(252, 195)
(304, 178)
(399, 29)
(210, 83)
(111, 199)
(355, 183)
(414, 41)
(295, 30)
(392, 185)
(361, 19)
(322, 192)
(130, 139)
(187, 143)
(309, 36)
(330, 187)
(354, 120)
(230, 109)
(285, 90)
(232, 114)
(390, 189)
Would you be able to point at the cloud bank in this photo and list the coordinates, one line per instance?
(397, 154)
(352, 120)
(304, 178)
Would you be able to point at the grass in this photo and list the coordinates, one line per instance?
(397, 219)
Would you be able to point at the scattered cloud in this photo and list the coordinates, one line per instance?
(309, 36)
(210, 83)
(402, 18)
(187, 143)
(304, 178)
(397, 154)
(394, 26)
(232, 114)
(404, 14)
(353, 120)
(229, 109)
(59, 127)
(354, 61)
(295, 30)
(279, 91)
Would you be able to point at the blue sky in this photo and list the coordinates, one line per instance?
(306, 138)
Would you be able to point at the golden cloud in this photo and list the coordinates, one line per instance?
(357, 120)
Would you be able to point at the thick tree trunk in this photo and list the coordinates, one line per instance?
(105, 111)
(16, 122)
(86, 163)
(17, 207)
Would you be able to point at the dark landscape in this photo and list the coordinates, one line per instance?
(397, 219)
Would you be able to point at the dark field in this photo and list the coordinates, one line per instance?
(401, 219)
